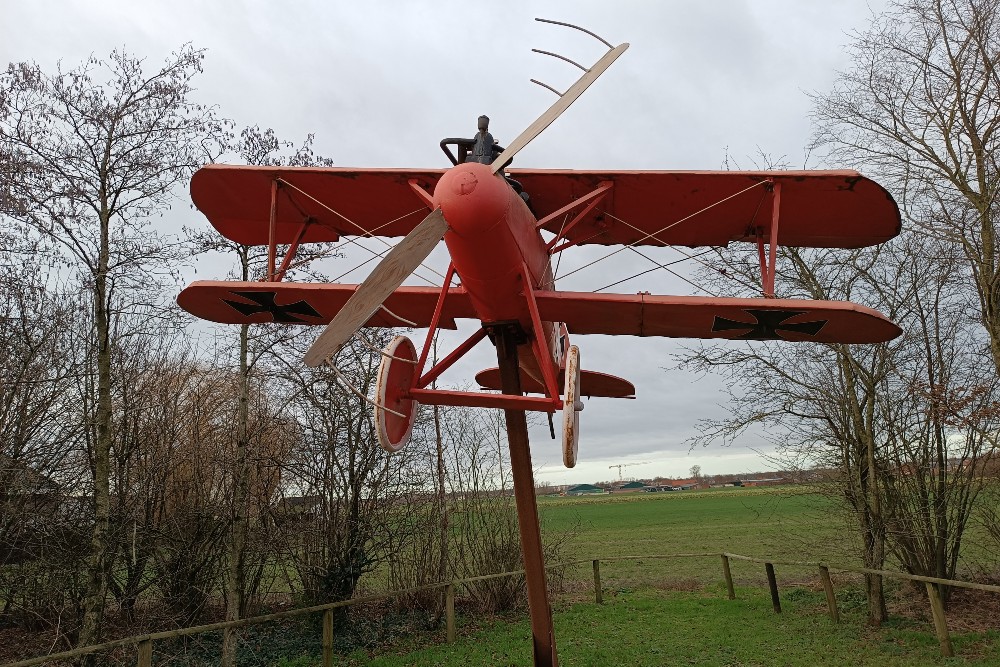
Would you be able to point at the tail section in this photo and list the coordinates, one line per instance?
(592, 383)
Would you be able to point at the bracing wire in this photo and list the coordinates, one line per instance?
(661, 266)
(655, 235)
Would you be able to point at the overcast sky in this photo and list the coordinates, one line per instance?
(381, 83)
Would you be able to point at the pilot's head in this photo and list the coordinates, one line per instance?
(484, 123)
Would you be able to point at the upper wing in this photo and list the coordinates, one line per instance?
(315, 303)
(689, 208)
(335, 202)
(820, 209)
(716, 317)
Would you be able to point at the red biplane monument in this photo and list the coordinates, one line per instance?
(491, 220)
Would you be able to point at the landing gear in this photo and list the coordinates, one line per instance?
(571, 408)
(394, 415)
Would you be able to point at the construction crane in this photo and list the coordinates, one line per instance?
(626, 465)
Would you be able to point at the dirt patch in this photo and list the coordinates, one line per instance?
(973, 611)
(967, 611)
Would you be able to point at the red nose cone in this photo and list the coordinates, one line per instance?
(472, 198)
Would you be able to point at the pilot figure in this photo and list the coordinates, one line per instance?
(485, 149)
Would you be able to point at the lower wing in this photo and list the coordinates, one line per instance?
(583, 312)
(231, 302)
(716, 317)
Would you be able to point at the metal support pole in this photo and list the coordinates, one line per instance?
(543, 636)
(145, 653)
(729, 577)
(449, 611)
(831, 598)
(773, 585)
(940, 621)
(598, 593)
(328, 638)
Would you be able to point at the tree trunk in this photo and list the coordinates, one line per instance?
(99, 560)
(238, 527)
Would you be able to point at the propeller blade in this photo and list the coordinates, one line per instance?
(559, 107)
(390, 273)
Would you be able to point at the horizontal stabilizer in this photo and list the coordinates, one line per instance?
(592, 383)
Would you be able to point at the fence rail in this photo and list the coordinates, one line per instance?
(144, 643)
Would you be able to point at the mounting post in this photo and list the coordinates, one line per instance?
(543, 637)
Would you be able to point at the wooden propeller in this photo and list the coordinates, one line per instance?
(390, 273)
(560, 105)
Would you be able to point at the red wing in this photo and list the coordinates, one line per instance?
(314, 303)
(820, 209)
(592, 383)
(237, 201)
(711, 317)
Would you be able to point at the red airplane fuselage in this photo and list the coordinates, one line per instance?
(495, 246)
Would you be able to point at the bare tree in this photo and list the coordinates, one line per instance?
(905, 424)
(42, 533)
(90, 154)
(351, 511)
(920, 109)
(261, 148)
(486, 538)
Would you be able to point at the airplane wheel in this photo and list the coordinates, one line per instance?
(571, 408)
(394, 379)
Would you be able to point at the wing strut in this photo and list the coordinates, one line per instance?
(767, 263)
(592, 199)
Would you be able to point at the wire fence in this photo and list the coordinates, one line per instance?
(144, 643)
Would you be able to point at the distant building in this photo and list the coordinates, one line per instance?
(769, 481)
(583, 490)
(629, 487)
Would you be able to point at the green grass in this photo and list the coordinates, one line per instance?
(674, 611)
(784, 523)
(651, 627)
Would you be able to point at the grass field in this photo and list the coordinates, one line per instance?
(670, 611)
(784, 523)
(653, 628)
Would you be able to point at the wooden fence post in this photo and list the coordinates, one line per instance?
(145, 653)
(773, 585)
(328, 638)
(831, 598)
(729, 577)
(940, 621)
(449, 607)
(598, 593)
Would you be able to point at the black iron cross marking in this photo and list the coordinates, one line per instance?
(263, 302)
(768, 324)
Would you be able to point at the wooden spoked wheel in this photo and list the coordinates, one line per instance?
(571, 407)
(394, 414)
